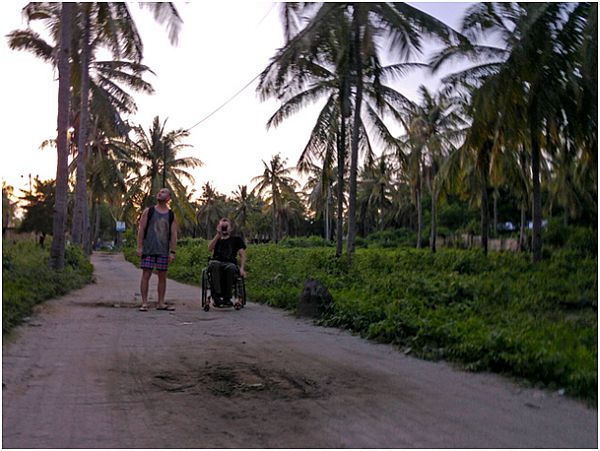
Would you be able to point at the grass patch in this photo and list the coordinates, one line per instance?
(27, 280)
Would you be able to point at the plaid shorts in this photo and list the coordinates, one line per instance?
(159, 262)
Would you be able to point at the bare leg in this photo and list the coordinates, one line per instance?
(146, 273)
(162, 288)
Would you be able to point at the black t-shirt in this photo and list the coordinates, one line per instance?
(226, 249)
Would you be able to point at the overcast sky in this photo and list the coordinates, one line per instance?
(222, 46)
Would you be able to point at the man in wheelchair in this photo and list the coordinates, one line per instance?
(223, 264)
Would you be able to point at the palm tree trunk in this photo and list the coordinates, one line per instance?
(57, 252)
(355, 135)
(327, 225)
(164, 174)
(419, 209)
(341, 162)
(485, 222)
(522, 228)
(485, 214)
(495, 222)
(274, 222)
(432, 239)
(382, 212)
(536, 242)
(96, 215)
(80, 231)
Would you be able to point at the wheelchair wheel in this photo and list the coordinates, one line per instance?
(205, 291)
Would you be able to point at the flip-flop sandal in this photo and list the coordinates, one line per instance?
(143, 308)
(168, 308)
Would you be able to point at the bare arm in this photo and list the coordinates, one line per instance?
(213, 243)
(140, 234)
(215, 240)
(243, 262)
(173, 243)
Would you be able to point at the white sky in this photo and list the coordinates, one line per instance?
(222, 46)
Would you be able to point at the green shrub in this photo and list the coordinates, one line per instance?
(392, 239)
(28, 280)
(305, 241)
(583, 240)
(555, 233)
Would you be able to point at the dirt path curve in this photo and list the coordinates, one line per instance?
(84, 374)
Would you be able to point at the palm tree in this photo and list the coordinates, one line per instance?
(535, 81)
(290, 213)
(374, 192)
(435, 129)
(57, 251)
(96, 24)
(210, 211)
(398, 23)
(107, 16)
(320, 187)
(298, 82)
(277, 182)
(157, 153)
(109, 166)
(245, 204)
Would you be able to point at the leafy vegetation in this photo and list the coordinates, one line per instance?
(27, 279)
(500, 313)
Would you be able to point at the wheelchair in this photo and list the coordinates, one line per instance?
(238, 290)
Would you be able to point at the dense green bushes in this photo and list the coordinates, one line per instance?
(27, 280)
(499, 313)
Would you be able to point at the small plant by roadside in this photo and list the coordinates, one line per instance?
(27, 280)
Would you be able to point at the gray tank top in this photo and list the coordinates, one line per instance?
(157, 238)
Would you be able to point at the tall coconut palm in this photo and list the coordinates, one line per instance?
(57, 251)
(103, 16)
(277, 182)
(433, 129)
(301, 81)
(530, 81)
(399, 23)
(157, 151)
(107, 25)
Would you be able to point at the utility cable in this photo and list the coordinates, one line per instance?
(225, 103)
(245, 86)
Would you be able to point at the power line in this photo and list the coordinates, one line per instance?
(225, 103)
(244, 87)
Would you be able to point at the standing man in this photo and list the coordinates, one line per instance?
(223, 264)
(156, 242)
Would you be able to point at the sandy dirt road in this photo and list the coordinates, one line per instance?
(90, 371)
